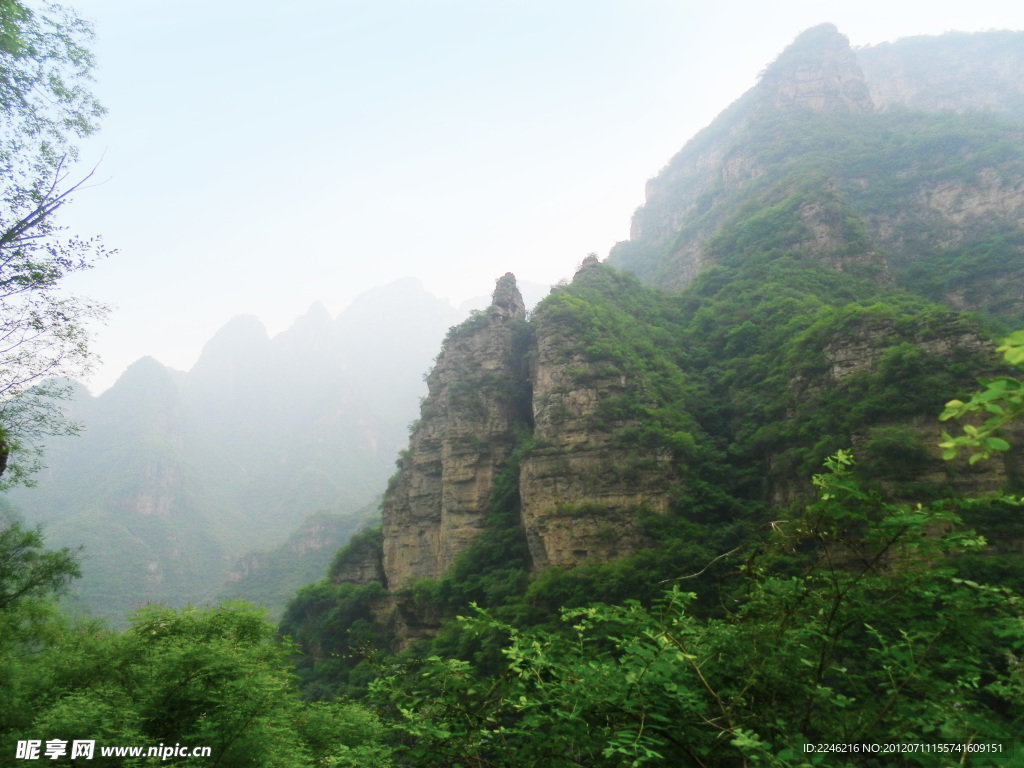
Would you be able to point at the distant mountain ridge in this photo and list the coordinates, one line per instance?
(176, 475)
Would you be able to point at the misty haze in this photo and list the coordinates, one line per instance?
(362, 406)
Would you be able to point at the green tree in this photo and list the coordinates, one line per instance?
(45, 108)
(215, 677)
(999, 403)
(27, 570)
(848, 624)
(30, 577)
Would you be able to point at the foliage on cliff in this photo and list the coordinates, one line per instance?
(933, 195)
(732, 384)
(848, 625)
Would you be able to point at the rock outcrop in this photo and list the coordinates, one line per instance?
(917, 203)
(818, 72)
(467, 430)
(581, 496)
(361, 561)
(492, 386)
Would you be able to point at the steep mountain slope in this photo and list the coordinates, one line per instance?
(177, 475)
(931, 200)
(269, 577)
(817, 251)
(467, 430)
(956, 71)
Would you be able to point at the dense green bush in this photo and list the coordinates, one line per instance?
(847, 624)
(216, 677)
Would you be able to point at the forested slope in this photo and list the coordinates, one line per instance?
(812, 277)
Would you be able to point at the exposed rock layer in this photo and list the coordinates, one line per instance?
(820, 78)
(580, 495)
(466, 432)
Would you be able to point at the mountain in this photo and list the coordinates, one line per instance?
(821, 268)
(178, 475)
(269, 577)
(931, 200)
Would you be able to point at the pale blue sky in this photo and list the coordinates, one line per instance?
(262, 156)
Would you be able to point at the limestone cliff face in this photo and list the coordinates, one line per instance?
(818, 72)
(917, 204)
(581, 496)
(861, 348)
(949, 211)
(956, 71)
(360, 562)
(466, 432)
(880, 349)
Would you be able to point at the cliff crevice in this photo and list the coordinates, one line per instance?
(469, 425)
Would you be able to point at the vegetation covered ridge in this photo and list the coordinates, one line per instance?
(674, 428)
(836, 269)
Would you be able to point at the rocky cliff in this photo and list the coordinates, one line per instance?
(826, 116)
(499, 383)
(799, 274)
(469, 424)
(580, 493)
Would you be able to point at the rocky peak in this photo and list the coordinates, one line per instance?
(507, 303)
(146, 400)
(242, 336)
(466, 432)
(956, 71)
(316, 320)
(801, 132)
(818, 71)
